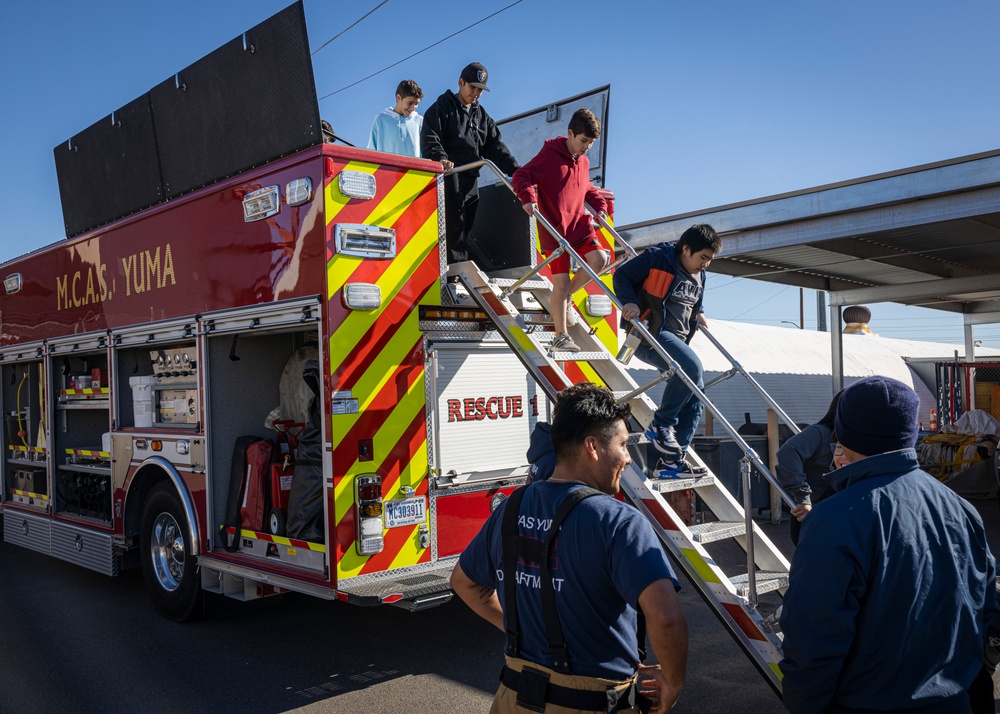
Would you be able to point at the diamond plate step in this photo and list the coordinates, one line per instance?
(666, 485)
(717, 530)
(580, 356)
(766, 582)
(409, 585)
(527, 285)
(624, 393)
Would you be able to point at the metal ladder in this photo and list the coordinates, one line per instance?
(733, 598)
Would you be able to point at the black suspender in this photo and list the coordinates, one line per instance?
(510, 541)
(515, 548)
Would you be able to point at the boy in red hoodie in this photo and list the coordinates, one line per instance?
(557, 182)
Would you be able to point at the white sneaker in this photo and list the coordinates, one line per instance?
(563, 343)
(571, 317)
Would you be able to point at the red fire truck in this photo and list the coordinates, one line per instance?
(136, 353)
(250, 368)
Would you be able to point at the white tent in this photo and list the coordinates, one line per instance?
(794, 367)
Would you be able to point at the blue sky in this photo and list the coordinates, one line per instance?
(711, 102)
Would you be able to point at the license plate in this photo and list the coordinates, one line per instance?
(405, 513)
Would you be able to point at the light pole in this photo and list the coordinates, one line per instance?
(789, 322)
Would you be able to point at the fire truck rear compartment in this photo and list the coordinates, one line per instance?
(243, 377)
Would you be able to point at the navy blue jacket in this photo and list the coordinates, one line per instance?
(648, 279)
(803, 461)
(541, 454)
(892, 587)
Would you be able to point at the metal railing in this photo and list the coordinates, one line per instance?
(750, 456)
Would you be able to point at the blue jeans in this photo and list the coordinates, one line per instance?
(679, 407)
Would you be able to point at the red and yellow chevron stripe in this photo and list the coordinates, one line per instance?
(34, 449)
(280, 540)
(378, 356)
(29, 494)
(89, 452)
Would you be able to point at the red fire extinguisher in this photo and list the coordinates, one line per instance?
(281, 474)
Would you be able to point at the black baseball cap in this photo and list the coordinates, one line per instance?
(476, 75)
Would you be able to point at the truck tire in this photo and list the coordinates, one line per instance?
(168, 567)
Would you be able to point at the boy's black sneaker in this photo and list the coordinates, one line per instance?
(679, 469)
(662, 437)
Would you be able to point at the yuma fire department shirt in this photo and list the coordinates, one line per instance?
(606, 554)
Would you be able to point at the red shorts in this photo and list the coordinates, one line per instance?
(560, 266)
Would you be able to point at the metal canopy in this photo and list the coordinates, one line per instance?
(927, 235)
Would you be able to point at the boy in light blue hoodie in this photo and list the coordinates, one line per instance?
(397, 129)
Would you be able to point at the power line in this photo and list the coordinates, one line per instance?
(348, 28)
(726, 285)
(760, 303)
(385, 69)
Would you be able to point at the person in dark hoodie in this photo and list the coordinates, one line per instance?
(557, 182)
(666, 283)
(803, 461)
(892, 584)
(541, 453)
(458, 131)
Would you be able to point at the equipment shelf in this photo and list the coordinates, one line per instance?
(85, 404)
(86, 468)
(26, 462)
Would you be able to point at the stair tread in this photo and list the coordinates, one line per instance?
(580, 356)
(681, 484)
(526, 285)
(762, 576)
(717, 530)
(625, 392)
(766, 582)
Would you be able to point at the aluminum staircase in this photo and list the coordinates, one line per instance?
(733, 597)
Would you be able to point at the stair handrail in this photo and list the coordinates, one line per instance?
(753, 382)
(606, 225)
(640, 329)
(563, 243)
(718, 345)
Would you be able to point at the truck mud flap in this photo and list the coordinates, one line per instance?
(413, 588)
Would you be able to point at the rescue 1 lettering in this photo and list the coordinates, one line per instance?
(479, 408)
(144, 271)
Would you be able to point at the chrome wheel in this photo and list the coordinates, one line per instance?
(167, 551)
(168, 566)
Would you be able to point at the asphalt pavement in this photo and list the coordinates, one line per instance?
(76, 641)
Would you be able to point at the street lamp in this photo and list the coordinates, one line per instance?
(789, 322)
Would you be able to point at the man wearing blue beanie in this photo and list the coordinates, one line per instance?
(892, 584)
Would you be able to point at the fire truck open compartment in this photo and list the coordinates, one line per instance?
(80, 434)
(244, 374)
(25, 474)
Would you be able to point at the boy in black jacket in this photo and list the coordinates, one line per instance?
(457, 131)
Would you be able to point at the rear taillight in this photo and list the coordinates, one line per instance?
(368, 492)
